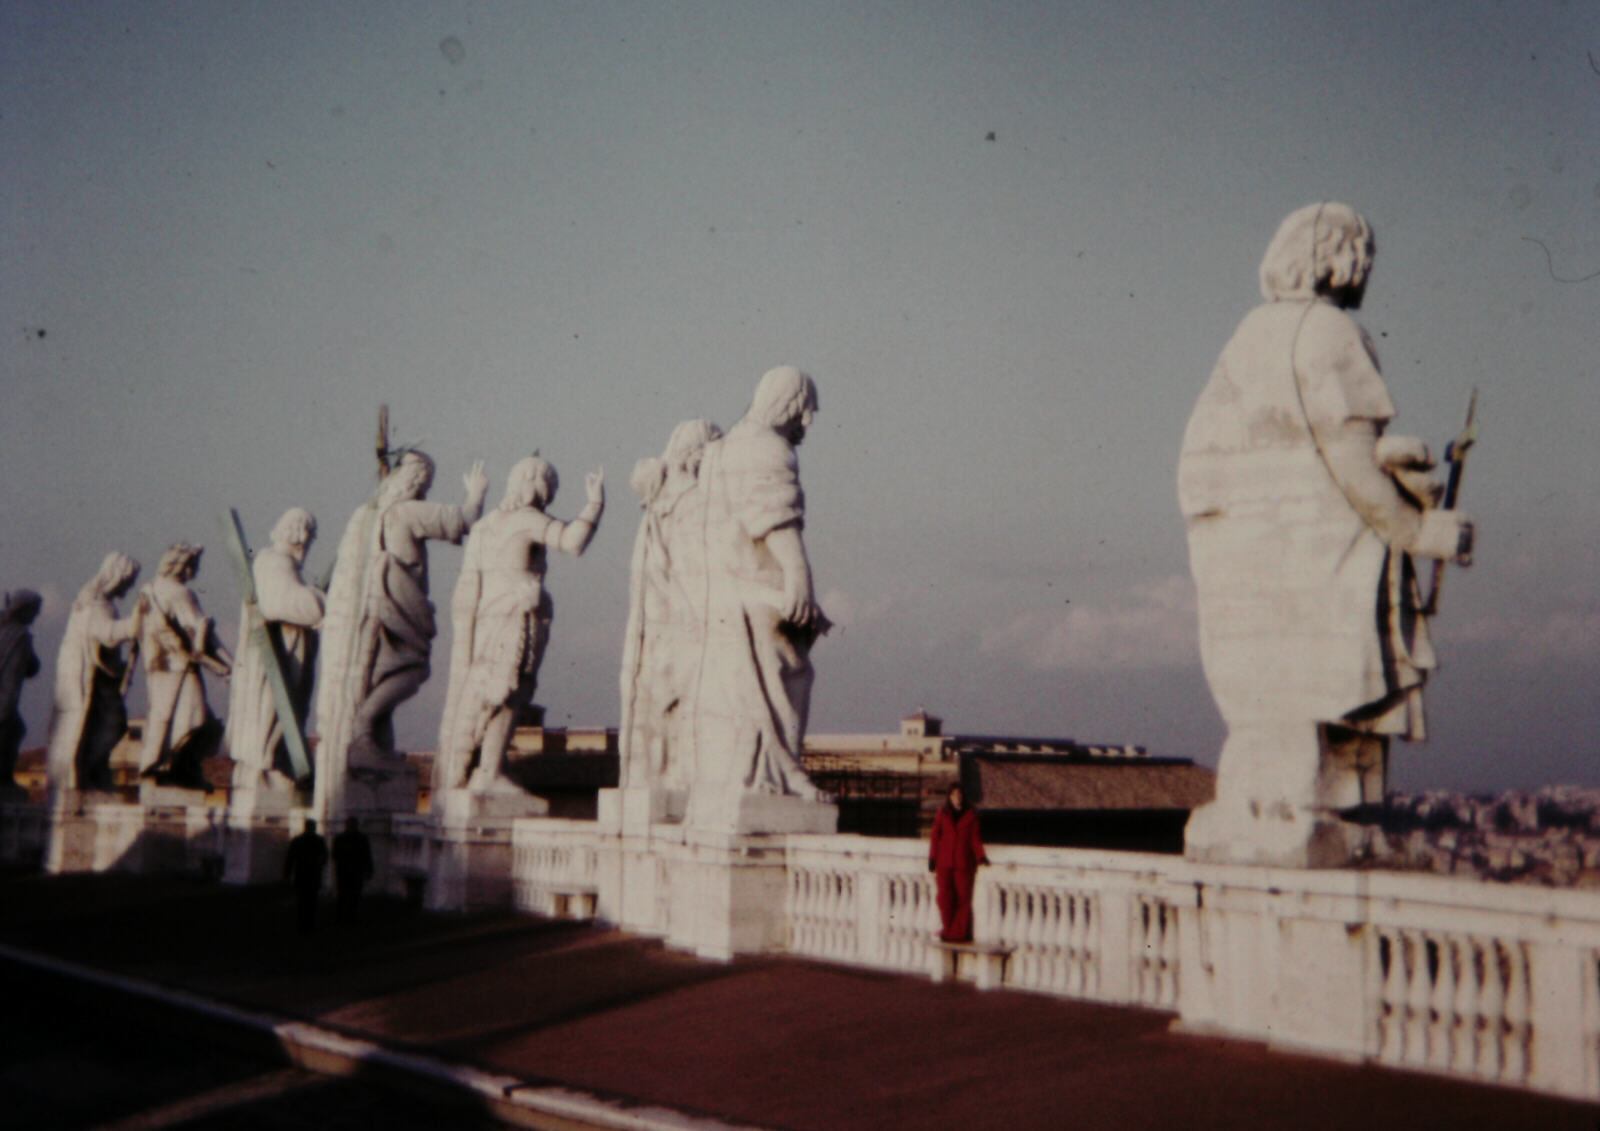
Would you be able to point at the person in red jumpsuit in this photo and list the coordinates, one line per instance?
(954, 855)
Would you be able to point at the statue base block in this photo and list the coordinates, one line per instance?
(95, 832)
(260, 825)
(155, 795)
(388, 787)
(716, 894)
(469, 852)
(634, 810)
(768, 813)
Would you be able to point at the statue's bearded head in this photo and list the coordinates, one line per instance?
(1320, 250)
(294, 532)
(411, 478)
(785, 400)
(532, 483)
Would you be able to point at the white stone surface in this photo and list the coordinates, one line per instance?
(754, 675)
(635, 809)
(259, 827)
(292, 611)
(379, 627)
(469, 853)
(666, 615)
(1303, 519)
(177, 641)
(1483, 981)
(88, 717)
(501, 615)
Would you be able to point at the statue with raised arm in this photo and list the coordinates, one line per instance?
(754, 677)
(178, 640)
(379, 626)
(1303, 522)
(666, 612)
(18, 664)
(88, 717)
(501, 614)
(292, 611)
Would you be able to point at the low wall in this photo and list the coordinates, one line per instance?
(1487, 981)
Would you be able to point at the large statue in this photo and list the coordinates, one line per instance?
(18, 663)
(666, 612)
(379, 626)
(501, 614)
(755, 674)
(292, 611)
(88, 717)
(1303, 519)
(178, 639)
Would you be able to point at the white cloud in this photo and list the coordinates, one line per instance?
(1152, 626)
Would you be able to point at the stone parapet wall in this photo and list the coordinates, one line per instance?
(1496, 982)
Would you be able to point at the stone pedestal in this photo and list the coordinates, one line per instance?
(260, 826)
(765, 813)
(387, 786)
(635, 810)
(1280, 790)
(469, 856)
(93, 832)
(716, 894)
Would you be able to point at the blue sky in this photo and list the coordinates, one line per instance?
(230, 231)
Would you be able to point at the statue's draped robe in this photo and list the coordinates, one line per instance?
(1305, 611)
(18, 663)
(661, 650)
(501, 623)
(175, 631)
(87, 717)
(755, 673)
(255, 735)
(379, 620)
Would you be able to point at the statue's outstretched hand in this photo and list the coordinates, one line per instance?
(594, 486)
(476, 481)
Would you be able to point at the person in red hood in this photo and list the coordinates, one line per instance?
(954, 855)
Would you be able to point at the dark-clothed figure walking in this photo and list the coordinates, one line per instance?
(352, 867)
(954, 855)
(308, 856)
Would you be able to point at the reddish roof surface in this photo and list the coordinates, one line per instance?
(773, 1042)
(1042, 782)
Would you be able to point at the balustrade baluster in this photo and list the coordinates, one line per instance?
(1517, 1013)
(1441, 1014)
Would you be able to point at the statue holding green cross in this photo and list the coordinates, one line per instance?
(278, 644)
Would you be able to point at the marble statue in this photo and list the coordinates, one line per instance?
(292, 611)
(501, 615)
(177, 640)
(88, 718)
(379, 625)
(755, 674)
(1303, 521)
(18, 664)
(666, 612)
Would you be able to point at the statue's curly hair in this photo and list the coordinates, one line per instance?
(1319, 248)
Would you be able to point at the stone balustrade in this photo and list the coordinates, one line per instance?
(553, 872)
(1487, 981)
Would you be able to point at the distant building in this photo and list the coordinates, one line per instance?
(1049, 791)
